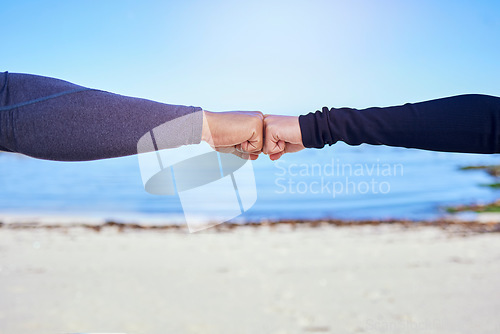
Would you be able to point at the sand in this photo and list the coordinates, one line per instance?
(364, 279)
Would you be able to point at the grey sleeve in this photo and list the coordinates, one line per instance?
(56, 120)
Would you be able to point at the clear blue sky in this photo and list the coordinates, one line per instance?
(287, 57)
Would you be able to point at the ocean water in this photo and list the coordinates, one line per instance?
(341, 181)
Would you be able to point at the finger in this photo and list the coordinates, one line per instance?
(256, 140)
(238, 152)
(225, 149)
(276, 156)
(246, 156)
(290, 148)
(250, 146)
(272, 147)
(239, 148)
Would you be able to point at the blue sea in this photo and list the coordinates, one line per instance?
(361, 182)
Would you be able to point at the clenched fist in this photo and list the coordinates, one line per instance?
(281, 135)
(237, 132)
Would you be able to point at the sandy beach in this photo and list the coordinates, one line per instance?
(279, 279)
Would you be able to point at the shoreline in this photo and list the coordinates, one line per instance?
(484, 223)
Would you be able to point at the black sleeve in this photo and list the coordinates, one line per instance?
(464, 123)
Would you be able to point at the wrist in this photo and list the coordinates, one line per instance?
(298, 131)
(307, 131)
(205, 131)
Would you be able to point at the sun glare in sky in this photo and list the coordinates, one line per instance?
(288, 57)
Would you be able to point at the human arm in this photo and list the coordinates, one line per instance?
(464, 123)
(53, 119)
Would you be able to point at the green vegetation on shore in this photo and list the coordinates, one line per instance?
(489, 207)
(492, 185)
(494, 171)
